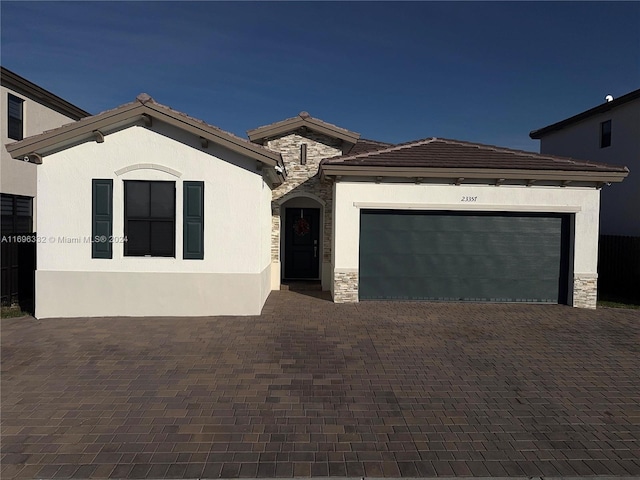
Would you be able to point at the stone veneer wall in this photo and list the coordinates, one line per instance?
(345, 287)
(585, 291)
(303, 179)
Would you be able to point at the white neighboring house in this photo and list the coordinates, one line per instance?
(26, 110)
(608, 133)
(150, 212)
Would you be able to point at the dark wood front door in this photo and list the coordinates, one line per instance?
(302, 243)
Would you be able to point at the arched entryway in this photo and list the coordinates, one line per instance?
(301, 238)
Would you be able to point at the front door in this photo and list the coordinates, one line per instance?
(302, 243)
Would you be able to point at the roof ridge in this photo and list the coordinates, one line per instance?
(306, 119)
(378, 142)
(144, 98)
(274, 123)
(391, 148)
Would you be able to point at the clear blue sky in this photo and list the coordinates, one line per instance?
(392, 71)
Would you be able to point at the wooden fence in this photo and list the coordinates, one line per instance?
(619, 268)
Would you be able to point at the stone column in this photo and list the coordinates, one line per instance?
(345, 286)
(585, 290)
(275, 232)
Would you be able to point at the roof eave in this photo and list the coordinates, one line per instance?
(23, 86)
(602, 108)
(71, 132)
(333, 170)
(130, 113)
(219, 137)
(277, 129)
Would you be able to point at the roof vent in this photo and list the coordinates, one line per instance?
(144, 98)
(609, 98)
(304, 115)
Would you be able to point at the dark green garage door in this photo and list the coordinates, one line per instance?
(478, 257)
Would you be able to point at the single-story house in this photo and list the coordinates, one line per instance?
(144, 210)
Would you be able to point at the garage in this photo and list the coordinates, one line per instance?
(446, 220)
(464, 256)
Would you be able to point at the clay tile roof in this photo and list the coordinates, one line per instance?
(365, 145)
(303, 119)
(143, 105)
(443, 153)
(145, 98)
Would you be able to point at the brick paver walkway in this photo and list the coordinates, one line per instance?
(310, 388)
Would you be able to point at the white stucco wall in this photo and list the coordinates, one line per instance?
(265, 242)
(582, 140)
(18, 177)
(351, 197)
(230, 279)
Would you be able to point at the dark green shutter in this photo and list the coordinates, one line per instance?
(101, 218)
(193, 209)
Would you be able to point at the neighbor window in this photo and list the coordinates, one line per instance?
(605, 134)
(150, 217)
(17, 214)
(14, 122)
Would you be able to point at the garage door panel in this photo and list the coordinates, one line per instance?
(414, 221)
(466, 243)
(455, 265)
(444, 288)
(473, 257)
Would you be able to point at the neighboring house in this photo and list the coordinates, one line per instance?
(27, 110)
(202, 222)
(607, 133)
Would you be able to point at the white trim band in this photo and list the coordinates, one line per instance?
(471, 206)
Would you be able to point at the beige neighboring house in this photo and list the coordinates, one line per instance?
(156, 213)
(27, 110)
(609, 133)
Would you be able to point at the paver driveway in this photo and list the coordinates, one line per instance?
(310, 388)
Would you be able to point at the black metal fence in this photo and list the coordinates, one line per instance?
(17, 274)
(18, 256)
(619, 268)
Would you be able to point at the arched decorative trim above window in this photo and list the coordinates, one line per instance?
(149, 166)
(290, 196)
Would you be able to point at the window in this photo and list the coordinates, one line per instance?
(150, 217)
(605, 134)
(14, 121)
(303, 154)
(17, 214)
